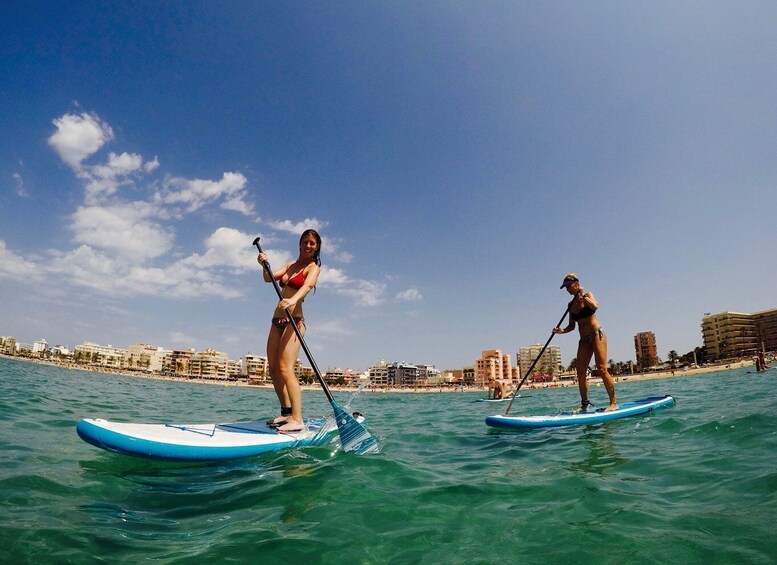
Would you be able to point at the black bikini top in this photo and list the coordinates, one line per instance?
(585, 312)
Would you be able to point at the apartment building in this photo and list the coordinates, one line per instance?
(253, 366)
(766, 328)
(176, 362)
(549, 364)
(209, 364)
(738, 334)
(493, 364)
(140, 355)
(102, 355)
(646, 349)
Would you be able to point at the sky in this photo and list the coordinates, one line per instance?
(458, 159)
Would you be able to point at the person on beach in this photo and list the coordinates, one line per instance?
(296, 278)
(582, 311)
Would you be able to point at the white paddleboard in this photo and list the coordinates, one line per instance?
(202, 442)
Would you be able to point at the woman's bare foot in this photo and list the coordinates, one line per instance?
(278, 421)
(584, 406)
(613, 406)
(291, 426)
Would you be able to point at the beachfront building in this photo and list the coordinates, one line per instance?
(766, 328)
(254, 366)
(428, 374)
(549, 365)
(730, 335)
(468, 375)
(493, 365)
(307, 374)
(61, 352)
(101, 355)
(338, 376)
(40, 347)
(399, 374)
(646, 349)
(378, 374)
(8, 345)
(156, 359)
(233, 369)
(140, 356)
(176, 362)
(208, 364)
(403, 374)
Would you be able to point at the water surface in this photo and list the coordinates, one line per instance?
(690, 484)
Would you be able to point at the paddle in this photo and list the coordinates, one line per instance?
(526, 376)
(353, 436)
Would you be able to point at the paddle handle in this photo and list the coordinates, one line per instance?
(290, 317)
(526, 376)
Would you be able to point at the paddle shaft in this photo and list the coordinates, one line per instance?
(526, 376)
(290, 317)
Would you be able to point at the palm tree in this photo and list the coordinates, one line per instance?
(722, 349)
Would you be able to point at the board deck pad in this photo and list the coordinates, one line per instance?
(202, 442)
(625, 410)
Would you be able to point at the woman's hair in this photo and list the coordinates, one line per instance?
(314, 233)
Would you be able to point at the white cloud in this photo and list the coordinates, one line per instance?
(298, 227)
(93, 269)
(229, 247)
(123, 229)
(151, 165)
(78, 136)
(20, 189)
(182, 339)
(196, 193)
(363, 292)
(123, 246)
(104, 180)
(14, 267)
(409, 295)
(330, 328)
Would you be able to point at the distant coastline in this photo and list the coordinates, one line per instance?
(620, 379)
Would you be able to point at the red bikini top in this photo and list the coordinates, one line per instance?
(296, 281)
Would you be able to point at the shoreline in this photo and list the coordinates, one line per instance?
(595, 381)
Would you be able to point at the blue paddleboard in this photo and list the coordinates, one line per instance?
(202, 442)
(580, 418)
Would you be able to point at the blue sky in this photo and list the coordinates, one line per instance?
(458, 159)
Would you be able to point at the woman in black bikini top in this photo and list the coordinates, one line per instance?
(593, 342)
(297, 278)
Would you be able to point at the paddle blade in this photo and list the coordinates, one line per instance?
(353, 436)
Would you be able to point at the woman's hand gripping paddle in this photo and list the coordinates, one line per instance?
(353, 436)
(526, 376)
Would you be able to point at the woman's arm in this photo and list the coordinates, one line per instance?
(589, 300)
(311, 278)
(278, 274)
(569, 328)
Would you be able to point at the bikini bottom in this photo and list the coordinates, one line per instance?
(281, 323)
(588, 339)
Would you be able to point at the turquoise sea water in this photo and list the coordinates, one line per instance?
(691, 484)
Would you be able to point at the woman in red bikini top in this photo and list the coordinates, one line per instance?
(593, 342)
(297, 279)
